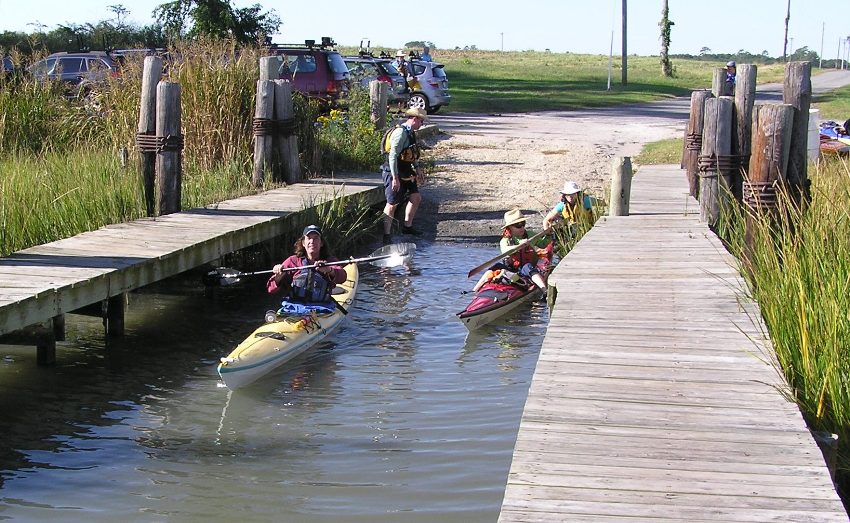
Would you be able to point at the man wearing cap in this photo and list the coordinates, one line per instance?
(402, 175)
(573, 207)
(309, 285)
(731, 72)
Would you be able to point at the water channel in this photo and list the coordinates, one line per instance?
(402, 417)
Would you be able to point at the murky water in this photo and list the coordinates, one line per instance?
(402, 417)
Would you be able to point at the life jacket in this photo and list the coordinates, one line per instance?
(580, 214)
(410, 153)
(310, 286)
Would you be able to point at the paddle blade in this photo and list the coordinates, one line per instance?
(396, 254)
(221, 277)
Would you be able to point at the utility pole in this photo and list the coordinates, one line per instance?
(785, 46)
(503, 41)
(822, 30)
(625, 76)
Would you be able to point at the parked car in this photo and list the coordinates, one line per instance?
(432, 91)
(8, 65)
(317, 71)
(77, 70)
(364, 69)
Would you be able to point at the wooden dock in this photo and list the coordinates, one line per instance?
(655, 397)
(46, 281)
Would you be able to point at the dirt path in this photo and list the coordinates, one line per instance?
(484, 165)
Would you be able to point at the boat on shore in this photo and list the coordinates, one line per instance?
(282, 338)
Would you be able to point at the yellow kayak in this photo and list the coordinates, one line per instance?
(285, 337)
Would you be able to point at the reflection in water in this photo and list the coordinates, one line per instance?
(400, 416)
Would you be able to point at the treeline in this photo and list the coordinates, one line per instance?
(803, 54)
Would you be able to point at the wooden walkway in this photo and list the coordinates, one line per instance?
(42, 282)
(654, 398)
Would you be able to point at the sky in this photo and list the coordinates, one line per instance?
(578, 26)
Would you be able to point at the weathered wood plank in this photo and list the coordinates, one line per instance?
(655, 395)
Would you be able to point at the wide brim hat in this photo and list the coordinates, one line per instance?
(730, 63)
(570, 188)
(513, 216)
(418, 113)
(311, 228)
(400, 52)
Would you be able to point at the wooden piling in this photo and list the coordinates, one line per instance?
(169, 156)
(263, 131)
(719, 85)
(45, 345)
(745, 95)
(797, 92)
(715, 153)
(286, 137)
(151, 75)
(378, 96)
(693, 139)
(114, 317)
(270, 67)
(621, 186)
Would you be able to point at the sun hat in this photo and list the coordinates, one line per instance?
(415, 112)
(730, 63)
(513, 216)
(311, 228)
(570, 188)
(400, 52)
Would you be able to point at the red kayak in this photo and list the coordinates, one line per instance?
(494, 300)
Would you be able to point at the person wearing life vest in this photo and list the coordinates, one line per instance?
(401, 173)
(531, 261)
(308, 285)
(574, 207)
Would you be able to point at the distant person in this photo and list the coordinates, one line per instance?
(731, 72)
(574, 207)
(426, 54)
(308, 286)
(402, 173)
(401, 64)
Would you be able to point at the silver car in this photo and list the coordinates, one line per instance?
(366, 69)
(430, 91)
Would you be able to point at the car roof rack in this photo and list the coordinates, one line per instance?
(325, 43)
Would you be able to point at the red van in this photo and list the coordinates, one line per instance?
(317, 71)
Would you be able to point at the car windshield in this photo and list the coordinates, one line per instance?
(438, 71)
(336, 63)
(70, 65)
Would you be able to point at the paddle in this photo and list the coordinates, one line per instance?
(505, 254)
(389, 256)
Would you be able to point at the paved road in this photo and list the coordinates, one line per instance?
(625, 128)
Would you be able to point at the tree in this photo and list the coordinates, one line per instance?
(665, 24)
(704, 50)
(215, 18)
(420, 43)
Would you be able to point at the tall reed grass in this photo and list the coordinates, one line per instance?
(59, 156)
(798, 270)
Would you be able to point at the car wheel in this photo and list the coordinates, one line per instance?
(418, 101)
(434, 110)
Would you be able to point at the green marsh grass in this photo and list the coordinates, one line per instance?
(661, 152)
(799, 274)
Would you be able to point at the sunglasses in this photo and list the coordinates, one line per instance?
(520, 225)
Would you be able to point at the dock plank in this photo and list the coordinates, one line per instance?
(656, 396)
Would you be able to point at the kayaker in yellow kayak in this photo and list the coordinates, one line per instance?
(310, 285)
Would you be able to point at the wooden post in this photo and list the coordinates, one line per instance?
(719, 87)
(58, 322)
(151, 75)
(378, 96)
(693, 139)
(716, 149)
(287, 136)
(772, 129)
(745, 96)
(114, 317)
(263, 131)
(797, 92)
(621, 186)
(169, 156)
(45, 345)
(270, 67)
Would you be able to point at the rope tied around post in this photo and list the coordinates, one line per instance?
(693, 142)
(760, 196)
(272, 127)
(147, 142)
(725, 165)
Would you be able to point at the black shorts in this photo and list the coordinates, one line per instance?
(407, 188)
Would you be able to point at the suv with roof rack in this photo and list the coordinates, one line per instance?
(317, 71)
